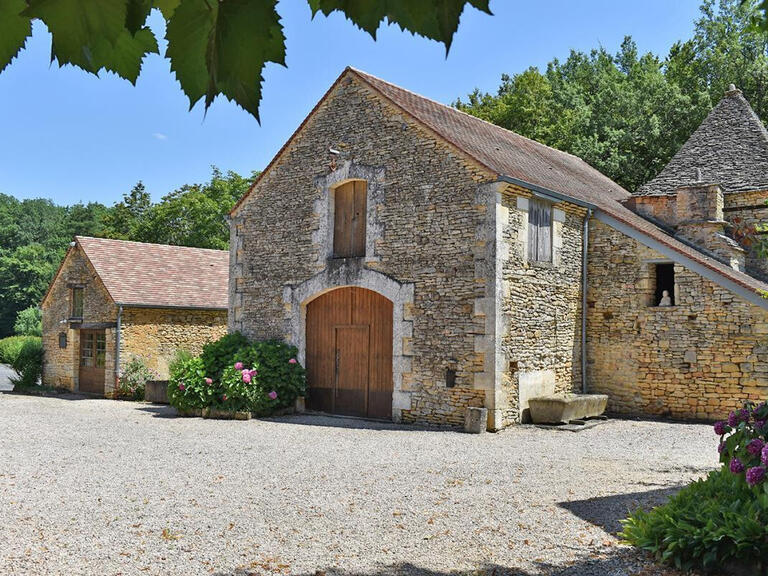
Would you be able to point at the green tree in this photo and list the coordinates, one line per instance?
(126, 218)
(25, 273)
(29, 322)
(215, 47)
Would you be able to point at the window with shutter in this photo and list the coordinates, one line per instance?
(539, 231)
(349, 220)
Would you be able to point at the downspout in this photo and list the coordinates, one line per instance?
(117, 341)
(585, 241)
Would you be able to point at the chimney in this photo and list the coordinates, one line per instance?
(700, 222)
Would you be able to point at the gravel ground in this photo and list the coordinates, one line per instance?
(5, 378)
(103, 487)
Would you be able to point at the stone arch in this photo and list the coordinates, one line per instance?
(348, 273)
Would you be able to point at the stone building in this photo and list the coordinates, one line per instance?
(424, 261)
(113, 300)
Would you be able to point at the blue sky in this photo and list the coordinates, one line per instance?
(71, 137)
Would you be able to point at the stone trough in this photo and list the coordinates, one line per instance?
(564, 408)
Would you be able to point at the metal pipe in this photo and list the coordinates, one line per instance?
(117, 341)
(585, 243)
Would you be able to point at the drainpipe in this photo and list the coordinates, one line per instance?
(585, 241)
(117, 341)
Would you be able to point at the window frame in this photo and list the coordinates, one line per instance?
(536, 208)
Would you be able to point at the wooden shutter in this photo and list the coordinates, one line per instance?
(349, 220)
(533, 229)
(545, 232)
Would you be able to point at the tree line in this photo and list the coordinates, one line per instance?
(35, 233)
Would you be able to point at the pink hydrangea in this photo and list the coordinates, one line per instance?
(292, 361)
(182, 387)
(273, 395)
(238, 365)
(246, 377)
(253, 373)
(208, 381)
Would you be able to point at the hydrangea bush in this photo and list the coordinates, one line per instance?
(743, 444)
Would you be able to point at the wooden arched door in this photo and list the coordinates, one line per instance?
(349, 353)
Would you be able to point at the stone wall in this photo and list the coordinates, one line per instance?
(749, 208)
(697, 359)
(541, 306)
(423, 224)
(155, 334)
(60, 365)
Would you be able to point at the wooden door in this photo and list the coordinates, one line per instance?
(93, 350)
(349, 220)
(349, 353)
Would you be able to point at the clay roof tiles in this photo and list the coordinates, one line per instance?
(158, 275)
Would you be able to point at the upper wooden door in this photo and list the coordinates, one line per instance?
(93, 351)
(349, 220)
(349, 353)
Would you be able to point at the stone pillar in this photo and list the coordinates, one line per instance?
(700, 222)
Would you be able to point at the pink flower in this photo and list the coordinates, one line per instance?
(246, 377)
(208, 381)
(182, 387)
(273, 395)
(238, 365)
(254, 373)
(292, 361)
(223, 397)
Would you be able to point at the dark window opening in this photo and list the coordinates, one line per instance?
(77, 302)
(450, 378)
(539, 231)
(62, 339)
(665, 283)
(349, 220)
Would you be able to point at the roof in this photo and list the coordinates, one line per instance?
(158, 275)
(526, 162)
(730, 148)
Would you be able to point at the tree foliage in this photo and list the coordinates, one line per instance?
(216, 47)
(627, 113)
(34, 234)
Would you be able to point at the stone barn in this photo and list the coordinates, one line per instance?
(424, 261)
(113, 300)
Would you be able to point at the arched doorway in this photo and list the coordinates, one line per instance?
(349, 353)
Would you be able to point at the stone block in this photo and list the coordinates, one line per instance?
(562, 408)
(475, 420)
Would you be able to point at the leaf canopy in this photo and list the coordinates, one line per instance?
(216, 47)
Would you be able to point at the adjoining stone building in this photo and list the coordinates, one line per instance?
(424, 261)
(112, 300)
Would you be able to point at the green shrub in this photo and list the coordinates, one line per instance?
(221, 353)
(179, 357)
(10, 348)
(132, 383)
(29, 322)
(28, 364)
(722, 519)
(188, 387)
(279, 371)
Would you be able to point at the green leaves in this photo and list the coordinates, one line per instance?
(15, 28)
(433, 19)
(215, 46)
(222, 48)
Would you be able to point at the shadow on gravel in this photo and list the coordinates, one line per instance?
(160, 410)
(607, 511)
(333, 421)
(620, 562)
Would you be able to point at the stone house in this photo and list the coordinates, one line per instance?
(111, 300)
(424, 261)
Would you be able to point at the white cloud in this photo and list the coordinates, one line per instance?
(159, 136)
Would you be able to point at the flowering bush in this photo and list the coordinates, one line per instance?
(720, 521)
(188, 387)
(133, 381)
(221, 353)
(279, 371)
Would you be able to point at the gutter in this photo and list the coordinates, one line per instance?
(117, 341)
(585, 242)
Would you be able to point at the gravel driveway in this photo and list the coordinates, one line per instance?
(105, 487)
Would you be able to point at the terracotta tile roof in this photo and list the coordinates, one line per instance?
(514, 156)
(730, 148)
(159, 275)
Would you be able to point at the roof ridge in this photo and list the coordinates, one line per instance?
(456, 110)
(176, 246)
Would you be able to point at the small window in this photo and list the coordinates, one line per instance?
(349, 220)
(664, 290)
(539, 231)
(77, 302)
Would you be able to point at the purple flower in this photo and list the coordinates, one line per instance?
(182, 387)
(721, 428)
(760, 424)
(273, 395)
(744, 415)
(755, 446)
(755, 475)
(733, 419)
(238, 365)
(764, 456)
(721, 447)
(736, 466)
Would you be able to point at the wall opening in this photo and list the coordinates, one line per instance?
(664, 290)
(349, 219)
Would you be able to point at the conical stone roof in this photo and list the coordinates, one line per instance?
(729, 148)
